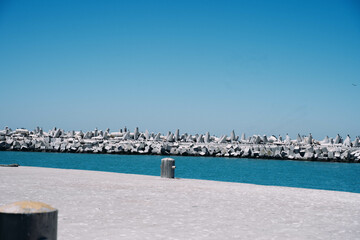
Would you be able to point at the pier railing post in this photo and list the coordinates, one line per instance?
(28, 221)
(167, 168)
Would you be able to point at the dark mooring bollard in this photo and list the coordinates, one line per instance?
(167, 168)
(28, 221)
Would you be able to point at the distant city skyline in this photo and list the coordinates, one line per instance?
(258, 67)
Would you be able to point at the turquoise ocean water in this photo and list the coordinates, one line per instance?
(316, 175)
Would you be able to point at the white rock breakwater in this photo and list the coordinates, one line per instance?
(126, 142)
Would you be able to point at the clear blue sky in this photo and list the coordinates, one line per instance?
(259, 67)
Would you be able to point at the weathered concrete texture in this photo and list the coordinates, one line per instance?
(100, 205)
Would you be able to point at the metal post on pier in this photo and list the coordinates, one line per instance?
(28, 221)
(167, 168)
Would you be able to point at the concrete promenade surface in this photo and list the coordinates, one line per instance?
(102, 205)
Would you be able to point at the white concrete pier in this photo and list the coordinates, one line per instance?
(103, 205)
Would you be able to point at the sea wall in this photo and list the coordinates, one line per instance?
(126, 142)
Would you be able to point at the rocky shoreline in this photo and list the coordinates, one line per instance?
(126, 142)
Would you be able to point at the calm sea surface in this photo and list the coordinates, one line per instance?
(317, 175)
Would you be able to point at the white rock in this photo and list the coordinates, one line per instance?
(299, 139)
(347, 141)
(200, 139)
(57, 133)
(272, 139)
(207, 137)
(325, 141)
(337, 139)
(222, 139)
(177, 135)
(126, 136)
(243, 138)
(116, 134)
(356, 142)
(146, 135)
(170, 138)
(157, 137)
(287, 139)
(136, 133)
(22, 131)
(232, 136)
